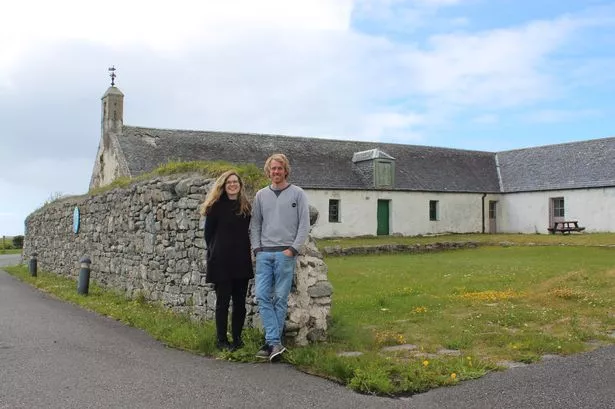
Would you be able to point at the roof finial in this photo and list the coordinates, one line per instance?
(112, 75)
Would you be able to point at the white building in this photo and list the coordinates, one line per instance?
(369, 188)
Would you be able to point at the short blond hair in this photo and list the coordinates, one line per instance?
(278, 157)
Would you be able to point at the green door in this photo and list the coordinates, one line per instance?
(383, 218)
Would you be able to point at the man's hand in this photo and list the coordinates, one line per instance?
(288, 253)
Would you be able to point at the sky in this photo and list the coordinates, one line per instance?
(488, 75)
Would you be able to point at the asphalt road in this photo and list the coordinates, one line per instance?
(56, 355)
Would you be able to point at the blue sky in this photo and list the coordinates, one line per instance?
(470, 74)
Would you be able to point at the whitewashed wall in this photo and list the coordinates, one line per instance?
(107, 167)
(529, 212)
(409, 212)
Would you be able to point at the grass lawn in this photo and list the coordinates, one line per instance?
(582, 239)
(492, 304)
(6, 246)
(489, 304)
(10, 251)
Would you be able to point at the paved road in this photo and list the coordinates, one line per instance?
(55, 355)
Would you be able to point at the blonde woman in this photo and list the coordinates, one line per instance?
(229, 264)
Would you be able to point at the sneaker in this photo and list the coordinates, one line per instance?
(264, 352)
(276, 352)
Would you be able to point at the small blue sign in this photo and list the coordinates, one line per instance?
(76, 220)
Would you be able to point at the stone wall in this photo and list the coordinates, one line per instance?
(398, 248)
(148, 239)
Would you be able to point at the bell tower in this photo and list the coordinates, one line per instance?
(110, 163)
(112, 107)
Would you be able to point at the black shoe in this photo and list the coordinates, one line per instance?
(264, 352)
(223, 344)
(237, 344)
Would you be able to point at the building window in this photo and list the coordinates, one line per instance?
(383, 173)
(334, 211)
(492, 207)
(558, 207)
(433, 210)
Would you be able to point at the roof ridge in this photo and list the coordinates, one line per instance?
(375, 143)
(581, 142)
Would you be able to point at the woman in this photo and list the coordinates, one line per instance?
(229, 262)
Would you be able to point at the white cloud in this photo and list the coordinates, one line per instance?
(155, 23)
(392, 126)
(439, 2)
(486, 119)
(561, 115)
(404, 16)
(321, 80)
(38, 181)
(501, 67)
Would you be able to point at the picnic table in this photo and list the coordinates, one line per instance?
(564, 227)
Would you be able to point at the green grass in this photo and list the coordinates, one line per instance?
(10, 251)
(253, 177)
(6, 246)
(492, 304)
(583, 239)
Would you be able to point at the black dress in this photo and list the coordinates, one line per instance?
(228, 242)
(229, 266)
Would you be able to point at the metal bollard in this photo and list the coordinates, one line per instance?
(84, 276)
(32, 265)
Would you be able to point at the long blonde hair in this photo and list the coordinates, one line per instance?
(245, 208)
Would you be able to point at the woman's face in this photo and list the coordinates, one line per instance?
(232, 186)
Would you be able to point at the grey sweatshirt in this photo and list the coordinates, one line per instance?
(279, 222)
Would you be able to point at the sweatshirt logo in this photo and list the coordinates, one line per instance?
(294, 204)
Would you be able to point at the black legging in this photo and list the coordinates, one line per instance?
(225, 290)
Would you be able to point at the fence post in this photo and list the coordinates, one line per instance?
(32, 266)
(84, 276)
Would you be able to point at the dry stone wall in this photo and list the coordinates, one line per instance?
(398, 248)
(148, 239)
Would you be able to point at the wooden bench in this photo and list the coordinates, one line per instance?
(565, 227)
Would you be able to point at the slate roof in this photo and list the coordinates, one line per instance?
(316, 163)
(573, 165)
(328, 164)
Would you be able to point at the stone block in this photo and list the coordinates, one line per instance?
(321, 289)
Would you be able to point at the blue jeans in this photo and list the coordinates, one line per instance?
(273, 280)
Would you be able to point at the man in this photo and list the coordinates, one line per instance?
(279, 227)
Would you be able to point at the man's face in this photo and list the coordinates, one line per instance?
(277, 174)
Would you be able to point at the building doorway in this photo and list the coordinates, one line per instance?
(493, 226)
(556, 210)
(383, 217)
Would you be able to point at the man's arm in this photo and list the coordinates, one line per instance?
(303, 228)
(256, 223)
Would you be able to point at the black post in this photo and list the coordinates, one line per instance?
(84, 276)
(32, 266)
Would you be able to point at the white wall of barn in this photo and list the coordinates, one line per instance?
(409, 212)
(594, 209)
